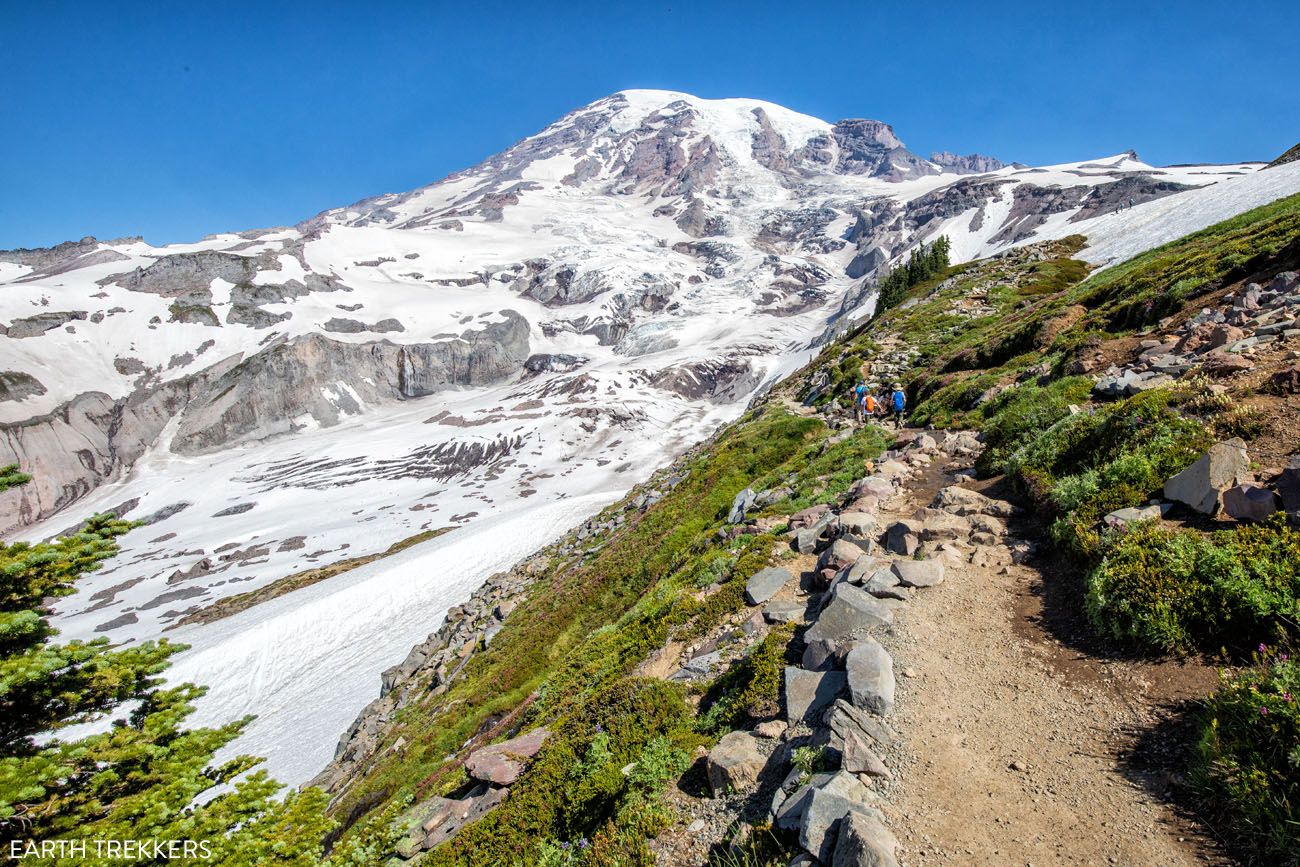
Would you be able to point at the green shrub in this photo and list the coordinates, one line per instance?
(1249, 758)
(1024, 411)
(1180, 590)
(1086, 465)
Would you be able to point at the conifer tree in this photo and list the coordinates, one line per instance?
(138, 779)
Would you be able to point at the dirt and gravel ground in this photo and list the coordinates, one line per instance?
(1025, 745)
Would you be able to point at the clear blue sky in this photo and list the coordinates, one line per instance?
(174, 120)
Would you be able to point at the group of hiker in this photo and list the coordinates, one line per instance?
(889, 404)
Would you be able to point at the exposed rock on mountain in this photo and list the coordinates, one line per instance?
(974, 164)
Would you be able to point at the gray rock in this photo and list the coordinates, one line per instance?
(784, 611)
(808, 693)
(743, 502)
(734, 763)
(805, 540)
(884, 584)
(963, 501)
(918, 573)
(864, 841)
(35, 326)
(859, 523)
(1249, 502)
(818, 808)
(765, 583)
(871, 677)
(237, 509)
(1288, 488)
(902, 538)
(850, 612)
(264, 394)
(1120, 519)
(857, 757)
(944, 527)
(1201, 485)
(843, 719)
(16, 385)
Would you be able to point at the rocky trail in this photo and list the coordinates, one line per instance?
(955, 716)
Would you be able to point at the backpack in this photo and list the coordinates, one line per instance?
(870, 403)
(899, 400)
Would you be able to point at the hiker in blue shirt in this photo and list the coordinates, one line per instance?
(859, 397)
(897, 404)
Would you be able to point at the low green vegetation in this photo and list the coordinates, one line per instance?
(1184, 590)
(1249, 758)
(11, 476)
(593, 794)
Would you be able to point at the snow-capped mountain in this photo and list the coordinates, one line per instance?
(502, 352)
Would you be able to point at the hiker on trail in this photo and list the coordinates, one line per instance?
(898, 403)
(859, 394)
(869, 406)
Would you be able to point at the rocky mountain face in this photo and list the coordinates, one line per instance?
(547, 325)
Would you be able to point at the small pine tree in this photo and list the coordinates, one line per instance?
(139, 779)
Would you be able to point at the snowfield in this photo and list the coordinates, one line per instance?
(665, 257)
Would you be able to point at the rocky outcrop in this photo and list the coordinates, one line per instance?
(973, 164)
(16, 385)
(35, 326)
(1202, 485)
(87, 441)
(262, 395)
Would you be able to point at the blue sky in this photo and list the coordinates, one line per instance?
(174, 120)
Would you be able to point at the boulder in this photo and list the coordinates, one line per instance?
(843, 719)
(1288, 488)
(963, 501)
(1219, 363)
(944, 527)
(734, 763)
(1201, 485)
(1249, 502)
(925, 443)
(1287, 380)
(864, 841)
(841, 553)
(743, 502)
(785, 611)
(874, 486)
(918, 573)
(902, 538)
(808, 516)
(765, 583)
(824, 654)
(818, 808)
(857, 757)
(805, 540)
(870, 677)
(859, 524)
(1121, 519)
(808, 693)
(850, 612)
(884, 584)
(503, 763)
